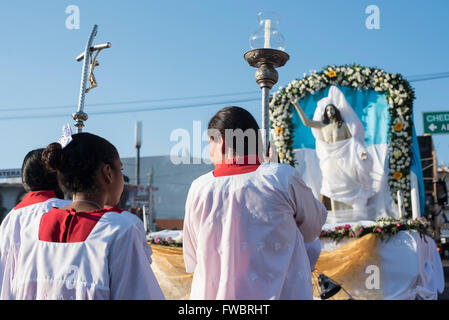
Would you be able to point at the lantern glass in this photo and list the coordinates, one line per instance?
(267, 35)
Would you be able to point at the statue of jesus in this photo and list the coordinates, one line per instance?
(344, 162)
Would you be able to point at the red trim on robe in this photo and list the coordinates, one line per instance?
(53, 225)
(35, 197)
(240, 165)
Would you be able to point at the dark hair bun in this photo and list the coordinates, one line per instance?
(35, 176)
(77, 165)
(52, 156)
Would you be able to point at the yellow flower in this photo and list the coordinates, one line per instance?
(281, 155)
(397, 154)
(279, 130)
(397, 175)
(331, 74)
(398, 126)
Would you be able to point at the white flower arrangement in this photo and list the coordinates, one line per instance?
(400, 98)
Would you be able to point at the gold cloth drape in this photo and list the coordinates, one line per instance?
(169, 269)
(346, 265)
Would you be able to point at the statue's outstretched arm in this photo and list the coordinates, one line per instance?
(307, 122)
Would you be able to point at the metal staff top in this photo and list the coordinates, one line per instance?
(80, 116)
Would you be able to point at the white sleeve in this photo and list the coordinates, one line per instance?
(130, 273)
(8, 255)
(313, 252)
(310, 213)
(189, 240)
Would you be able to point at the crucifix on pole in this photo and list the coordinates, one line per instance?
(89, 65)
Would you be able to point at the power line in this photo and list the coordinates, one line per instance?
(132, 110)
(128, 102)
(426, 77)
(416, 78)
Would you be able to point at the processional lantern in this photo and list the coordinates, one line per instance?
(89, 64)
(267, 53)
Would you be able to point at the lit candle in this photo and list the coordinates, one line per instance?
(267, 33)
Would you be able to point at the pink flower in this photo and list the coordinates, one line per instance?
(398, 224)
(157, 239)
(169, 239)
(379, 230)
(347, 227)
(337, 227)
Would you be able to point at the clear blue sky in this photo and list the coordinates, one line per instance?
(171, 49)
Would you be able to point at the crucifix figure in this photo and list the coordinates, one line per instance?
(89, 65)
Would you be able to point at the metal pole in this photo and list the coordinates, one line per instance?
(84, 74)
(80, 116)
(266, 119)
(266, 61)
(138, 166)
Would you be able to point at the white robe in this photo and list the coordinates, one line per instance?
(113, 262)
(33, 205)
(244, 234)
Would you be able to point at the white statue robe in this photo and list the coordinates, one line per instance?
(244, 234)
(105, 256)
(345, 176)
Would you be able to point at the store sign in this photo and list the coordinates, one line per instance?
(10, 173)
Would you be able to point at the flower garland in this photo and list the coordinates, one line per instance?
(400, 96)
(168, 241)
(384, 228)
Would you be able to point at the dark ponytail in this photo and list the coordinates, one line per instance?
(234, 118)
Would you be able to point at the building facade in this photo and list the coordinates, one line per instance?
(169, 183)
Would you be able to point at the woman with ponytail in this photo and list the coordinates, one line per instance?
(89, 249)
(43, 193)
(247, 222)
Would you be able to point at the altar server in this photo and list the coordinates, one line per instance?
(246, 222)
(43, 193)
(88, 249)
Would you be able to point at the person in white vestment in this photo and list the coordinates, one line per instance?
(344, 161)
(88, 249)
(43, 193)
(246, 222)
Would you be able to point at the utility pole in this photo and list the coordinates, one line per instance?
(137, 145)
(151, 217)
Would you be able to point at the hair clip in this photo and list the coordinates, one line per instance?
(66, 136)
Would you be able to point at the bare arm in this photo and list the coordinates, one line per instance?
(307, 122)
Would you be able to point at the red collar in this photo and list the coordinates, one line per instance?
(60, 225)
(239, 165)
(35, 197)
